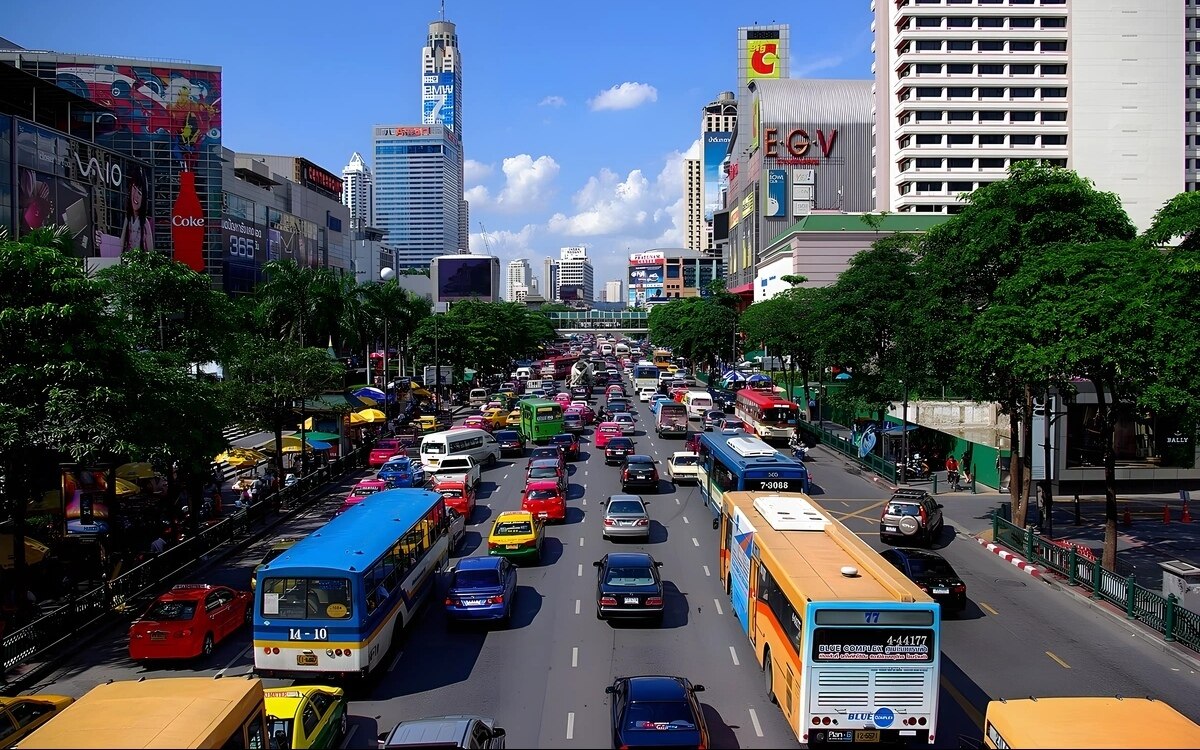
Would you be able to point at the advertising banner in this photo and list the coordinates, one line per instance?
(764, 54)
(776, 204)
(646, 275)
(317, 178)
(86, 497)
(437, 99)
(652, 258)
(748, 206)
(245, 252)
(464, 278)
(715, 145)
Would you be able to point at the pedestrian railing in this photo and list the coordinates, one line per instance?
(124, 594)
(1080, 568)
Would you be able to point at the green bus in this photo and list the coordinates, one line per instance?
(541, 419)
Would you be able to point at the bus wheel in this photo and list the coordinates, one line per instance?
(728, 583)
(770, 677)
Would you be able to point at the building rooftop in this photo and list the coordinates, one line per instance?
(854, 222)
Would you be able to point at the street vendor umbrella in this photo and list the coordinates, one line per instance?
(842, 376)
(325, 437)
(136, 471)
(371, 415)
(35, 551)
(319, 445)
(374, 394)
(241, 457)
(126, 487)
(758, 378)
(733, 376)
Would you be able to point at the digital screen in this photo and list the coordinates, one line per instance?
(873, 644)
(463, 278)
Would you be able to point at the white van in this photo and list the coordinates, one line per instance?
(523, 373)
(606, 349)
(696, 403)
(478, 397)
(479, 444)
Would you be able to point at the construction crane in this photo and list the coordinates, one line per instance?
(483, 236)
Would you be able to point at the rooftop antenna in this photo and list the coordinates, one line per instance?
(443, 10)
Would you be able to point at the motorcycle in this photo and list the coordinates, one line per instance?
(918, 468)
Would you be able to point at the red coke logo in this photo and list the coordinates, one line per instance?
(187, 224)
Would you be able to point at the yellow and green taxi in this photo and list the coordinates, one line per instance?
(427, 423)
(20, 715)
(306, 716)
(506, 399)
(517, 534)
(514, 418)
(277, 548)
(498, 418)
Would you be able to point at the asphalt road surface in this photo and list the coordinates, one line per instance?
(543, 679)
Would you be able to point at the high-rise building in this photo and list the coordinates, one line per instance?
(693, 231)
(575, 276)
(550, 275)
(717, 125)
(442, 102)
(358, 191)
(519, 273)
(964, 91)
(614, 291)
(418, 191)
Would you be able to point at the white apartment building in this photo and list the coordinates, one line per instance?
(614, 291)
(964, 88)
(575, 276)
(518, 275)
(693, 205)
(358, 191)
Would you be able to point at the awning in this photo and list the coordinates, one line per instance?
(35, 551)
(136, 471)
(310, 435)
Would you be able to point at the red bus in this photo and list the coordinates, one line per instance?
(767, 415)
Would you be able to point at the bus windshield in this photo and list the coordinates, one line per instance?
(307, 598)
(779, 416)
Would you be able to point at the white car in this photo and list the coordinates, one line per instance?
(627, 421)
(683, 466)
(646, 394)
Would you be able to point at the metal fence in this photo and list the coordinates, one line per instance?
(1162, 613)
(128, 591)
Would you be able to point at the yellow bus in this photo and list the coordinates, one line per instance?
(850, 648)
(662, 358)
(1087, 722)
(172, 712)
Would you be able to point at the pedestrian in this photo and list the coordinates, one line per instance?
(216, 501)
(246, 498)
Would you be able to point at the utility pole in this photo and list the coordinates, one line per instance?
(904, 436)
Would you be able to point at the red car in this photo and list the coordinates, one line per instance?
(458, 495)
(189, 621)
(544, 498)
(570, 444)
(360, 492)
(384, 449)
(587, 413)
(549, 469)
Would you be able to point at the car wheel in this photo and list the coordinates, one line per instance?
(207, 647)
(770, 677)
(343, 725)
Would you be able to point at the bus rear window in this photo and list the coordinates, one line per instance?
(307, 598)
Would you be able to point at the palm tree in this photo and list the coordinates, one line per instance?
(288, 300)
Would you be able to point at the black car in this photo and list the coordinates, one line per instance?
(511, 442)
(569, 443)
(656, 711)
(628, 585)
(616, 405)
(581, 392)
(931, 572)
(617, 449)
(639, 471)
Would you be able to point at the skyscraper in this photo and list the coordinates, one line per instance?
(693, 204)
(358, 191)
(441, 100)
(550, 276)
(716, 130)
(575, 276)
(519, 274)
(614, 291)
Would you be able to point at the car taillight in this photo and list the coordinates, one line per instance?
(609, 522)
(924, 520)
(496, 599)
(449, 602)
(643, 522)
(959, 588)
(654, 601)
(625, 475)
(608, 601)
(491, 545)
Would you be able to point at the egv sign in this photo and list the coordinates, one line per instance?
(797, 143)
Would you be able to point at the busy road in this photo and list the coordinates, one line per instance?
(543, 678)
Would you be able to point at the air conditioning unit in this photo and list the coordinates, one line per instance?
(749, 447)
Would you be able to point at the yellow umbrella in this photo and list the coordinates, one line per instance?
(291, 444)
(136, 471)
(371, 415)
(241, 457)
(308, 424)
(35, 551)
(126, 487)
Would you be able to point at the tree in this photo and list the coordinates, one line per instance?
(788, 324)
(696, 328)
(1178, 219)
(64, 368)
(401, 309)
(964, 260)
(292, 301)
(483, 336)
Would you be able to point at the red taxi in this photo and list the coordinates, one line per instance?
(188, 621)
(458, 494)
(545, 499)
(361, 491)
(384, 449)
(604, 431)
(477, 422)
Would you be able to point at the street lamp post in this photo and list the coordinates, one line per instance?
(438, 307)
(904, 436)
(387, 274)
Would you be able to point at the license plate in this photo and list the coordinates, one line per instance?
(889, 528)
(628, 523)
(512, 546)
(941, 590)
(866, 735)
(306, 660)
(631, 600)
(158, 636)
(472, 602)
(543, 514)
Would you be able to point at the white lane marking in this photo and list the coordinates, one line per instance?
(677, 501)
(718, 603)
(695, 542)
(581, 570)
(395, 661)
(571, 725)
(580, 541)
(585, 472)
(733, 653)
(754, 721)
(585, 501)
(221, 673)
(576, 606)
(505, 476)
(685, 519)
(349, 736)
(706, 572)
(575, 656)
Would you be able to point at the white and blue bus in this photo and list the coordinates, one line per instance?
(645, 375)
(732, 460)
(335, 602)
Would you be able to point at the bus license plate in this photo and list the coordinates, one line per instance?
(306, 660)
(866, 735)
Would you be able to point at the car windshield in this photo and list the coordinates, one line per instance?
(396, 466)
(475, 579)
(543, 472)
(923, 566)
(638, 576)
(542, 494)
(623, 443)
(171, 610)
(903, 509)
(281, 732)
(625, 506)
(512, 528)
(687, 460)
(387, 444)
(659, 716)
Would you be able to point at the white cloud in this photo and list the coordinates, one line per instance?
(528, 184)
(693, 151)
(624, 96)
(475, 171)
(552, 101)
(815, 66)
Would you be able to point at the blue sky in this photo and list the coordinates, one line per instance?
(576, 115)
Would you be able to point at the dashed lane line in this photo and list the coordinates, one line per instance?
(571, 725)
(733, 653)
(1061, 663)
(685, 519)
(580, 570)
(754, 721)
(706, 571)
(576, 606)
(718, 603)
(575, 656)
(695, 542)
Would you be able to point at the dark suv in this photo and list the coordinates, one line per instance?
(911, 516)
(616, 449)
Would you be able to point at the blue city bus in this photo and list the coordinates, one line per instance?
(336, 601)
(734, 460)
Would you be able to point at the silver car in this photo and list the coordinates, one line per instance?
(625, 516)
(627, 421)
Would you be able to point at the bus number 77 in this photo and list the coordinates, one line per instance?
(871, 618)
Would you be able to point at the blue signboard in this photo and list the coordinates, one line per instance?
(437, 100)
(715, 146)
(776, 204)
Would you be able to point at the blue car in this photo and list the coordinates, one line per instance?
(402, 472)
(481, 589)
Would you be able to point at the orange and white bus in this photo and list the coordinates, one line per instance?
(850, 648)
(1087, 722)
(767, 415)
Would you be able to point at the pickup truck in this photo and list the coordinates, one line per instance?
(463, 465)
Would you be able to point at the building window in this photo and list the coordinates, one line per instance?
(991, 70)
(929, 115)
(1022, 23)
(1021, 70)
(991, 92)
(1021, 46)
(1023, 139)
(991, 139)
(927, 69)
(1022, 115)
(1054, 70)
(929, 45)
(929, 139)
(991, 45)
(1055, 162)
(906, 141)
(1054, 23)
(929, 187)
(905, 164)
(962, 115)
(962, 139)
(929, 23)
(991, 115)
(1018, 92)
(1053, 93)
(1054, 46)
(929, 92)
(960, 163)
(961, 187)
(961, 92)
(905, 188)
(929, 163)
(1055, 116)
(991, 164)
(958, 22)
(991, 22)
(1054, 140)
(961, 45)
(959, 69)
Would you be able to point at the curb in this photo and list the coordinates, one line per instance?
(1010, 558)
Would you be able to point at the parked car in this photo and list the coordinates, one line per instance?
(625, 516)
(933, 573)
(511, 442)
(683, 466)
(306, 716)
(189, 621)
(912, 516)
(616, 449)
(481, 589)
(638, 470)
(628, 586)
(656, 711)
(569, 443)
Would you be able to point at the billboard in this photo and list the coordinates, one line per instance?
(573, 253)
(245, 253)
(654, 257)
(437, 99)
(318, 178)
(715, 145)
(646, 275)
(775, 206)
(459, 277)
(764, 54)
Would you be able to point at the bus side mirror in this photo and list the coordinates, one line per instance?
(716, 523)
